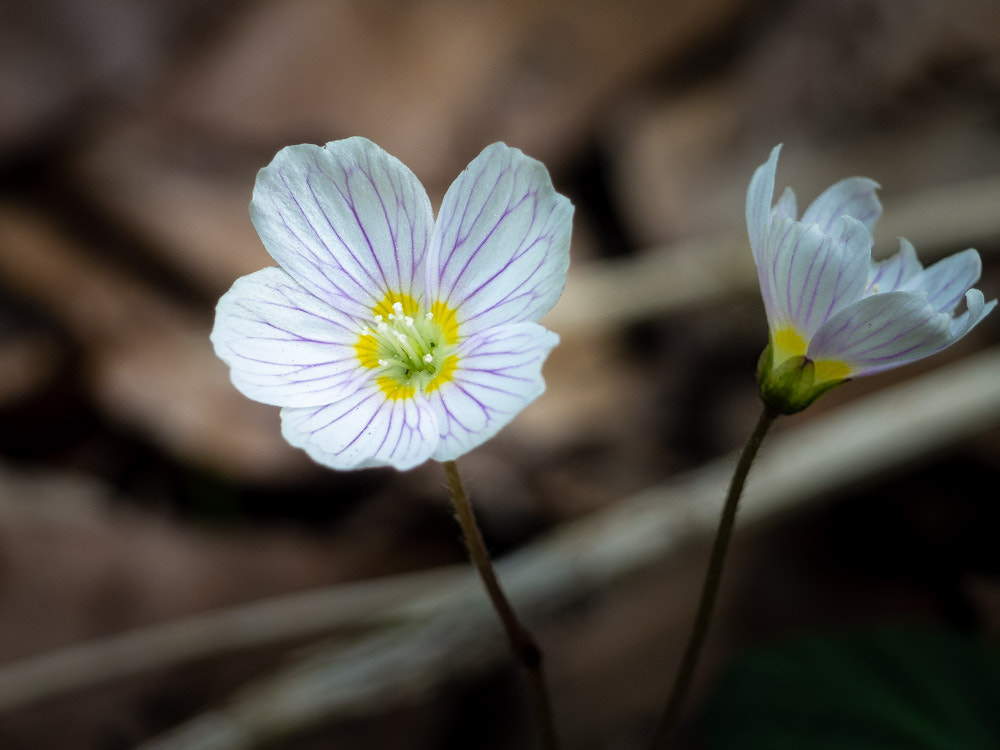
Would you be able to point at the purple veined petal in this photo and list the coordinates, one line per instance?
(854, 197)
(363, 430)
(947, 281)
(499, 373)
(890, 274)
(284, 345)
(760, 195)
(346, 220)
(883, 331)
(814, 274)
(500, 248)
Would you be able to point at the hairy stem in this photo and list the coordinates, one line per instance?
(710, 587)
(521, 642)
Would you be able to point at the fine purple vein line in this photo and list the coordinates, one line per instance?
(326, 217)
(312, 259)
(464, 197)
(508, 211)
(460, 241)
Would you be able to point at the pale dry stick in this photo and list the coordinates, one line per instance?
(372, 673)
(342, 608)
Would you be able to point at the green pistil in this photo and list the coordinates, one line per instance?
(410, 349)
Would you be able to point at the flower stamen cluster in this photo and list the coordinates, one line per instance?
(410, 349)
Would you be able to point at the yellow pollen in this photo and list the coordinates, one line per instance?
(787, 343)
(830, 369)
(445, 317)
(394, 390)
(444, 375)
(367, 351)
(385, 308)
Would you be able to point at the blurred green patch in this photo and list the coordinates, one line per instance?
(891, 688)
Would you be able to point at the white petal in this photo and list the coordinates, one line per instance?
(284, 345)
(976, 309)
(499, 373)
(890, 274)
(813, 274)
(347, 220)
(883, 331)
(500, 247)
(854, 197)
(947, 281)
(760, 195)
(786, 207)
(364, 429)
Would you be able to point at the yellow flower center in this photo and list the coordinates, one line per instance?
(787, 343)
(410, 348)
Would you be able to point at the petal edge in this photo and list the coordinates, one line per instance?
(499, 251)
(499, 373)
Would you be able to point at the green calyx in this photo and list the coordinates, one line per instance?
(791, 386)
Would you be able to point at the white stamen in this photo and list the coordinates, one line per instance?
(405, 346)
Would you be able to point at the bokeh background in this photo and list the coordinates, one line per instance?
(138, 488)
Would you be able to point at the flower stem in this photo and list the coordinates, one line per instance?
(710, 587)
(521, 642)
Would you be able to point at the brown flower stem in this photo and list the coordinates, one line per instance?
(521, 642)
(710, 587)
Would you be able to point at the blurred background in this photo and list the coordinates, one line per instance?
(138, 489)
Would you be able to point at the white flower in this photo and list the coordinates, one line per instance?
(830, 307)
(388, 338)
